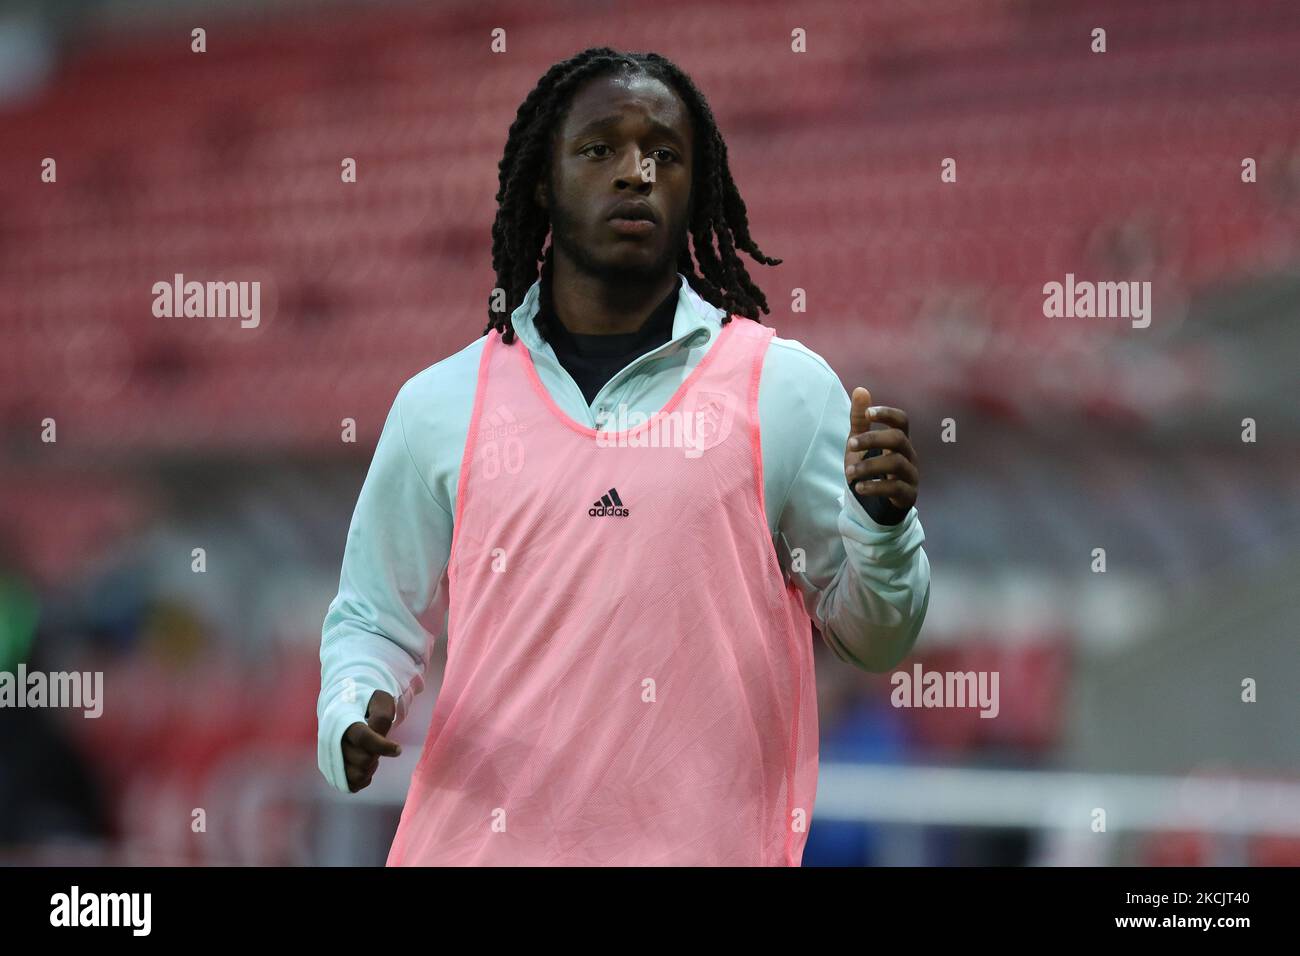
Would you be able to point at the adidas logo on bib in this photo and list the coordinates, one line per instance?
(609, 505)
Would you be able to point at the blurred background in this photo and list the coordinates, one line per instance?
(1119, 689)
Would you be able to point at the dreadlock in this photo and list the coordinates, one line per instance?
(521, 225)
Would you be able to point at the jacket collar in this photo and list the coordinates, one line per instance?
(695, 323)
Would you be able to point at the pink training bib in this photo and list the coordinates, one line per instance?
(629, 678)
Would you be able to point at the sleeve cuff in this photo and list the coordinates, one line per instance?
(876, 514)
(337, 716)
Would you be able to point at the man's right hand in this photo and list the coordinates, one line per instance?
(364, 744)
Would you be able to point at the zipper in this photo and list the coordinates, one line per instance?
(616, 380)
(666, 349)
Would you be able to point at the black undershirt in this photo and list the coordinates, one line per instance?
(593, 360)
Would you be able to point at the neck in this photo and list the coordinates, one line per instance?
(590, 305)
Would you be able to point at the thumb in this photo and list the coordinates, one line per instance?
(859, 416)
(381, 712)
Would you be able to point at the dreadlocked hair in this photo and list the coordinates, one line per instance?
(521, 225)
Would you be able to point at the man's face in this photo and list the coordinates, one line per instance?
(597, 155)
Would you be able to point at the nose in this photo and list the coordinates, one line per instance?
(629, 173)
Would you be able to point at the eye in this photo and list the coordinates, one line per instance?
(669, 155)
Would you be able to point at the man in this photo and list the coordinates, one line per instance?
(627, 498)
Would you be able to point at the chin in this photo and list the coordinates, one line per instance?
(640, 265)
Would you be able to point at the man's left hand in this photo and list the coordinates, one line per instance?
(891, 471)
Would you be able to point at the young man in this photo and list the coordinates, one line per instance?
(626, 500)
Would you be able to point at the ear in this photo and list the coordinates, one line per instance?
(542, 195)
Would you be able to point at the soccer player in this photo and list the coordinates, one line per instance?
(622, 504)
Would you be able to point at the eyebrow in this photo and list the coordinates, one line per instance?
(605, 122)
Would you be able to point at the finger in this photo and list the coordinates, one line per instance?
(353, 754)
(879, 463)
(352, 736)
(356, 757)
(362, 763)
(859, 417)
(886, 438)
(358, 780)
(888, 415)
(373, 743)
(899, 493)
(355, 774)
(892, 464)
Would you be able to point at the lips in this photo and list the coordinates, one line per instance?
(633, 209)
